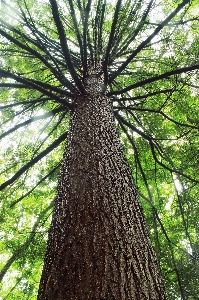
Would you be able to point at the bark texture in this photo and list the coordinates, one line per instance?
(98, 247)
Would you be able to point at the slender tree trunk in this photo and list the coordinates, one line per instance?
(98, 247)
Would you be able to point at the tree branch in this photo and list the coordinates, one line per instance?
(145, 42)
(35, 85)
(153, 79)
(39, 100)
(156, 112)
(34, 161)
(137, 30)
(31, 120)
(64, 45)
(38, 183)
(152, 146)
(142, 96)
(79, 38)
(111, 39)
(36, 54)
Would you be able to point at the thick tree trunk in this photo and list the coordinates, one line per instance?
(98, 247)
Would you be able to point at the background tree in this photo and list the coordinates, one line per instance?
(149, 52)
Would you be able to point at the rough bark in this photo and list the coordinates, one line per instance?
(99, 246)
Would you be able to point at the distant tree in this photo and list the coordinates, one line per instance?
(118, 82)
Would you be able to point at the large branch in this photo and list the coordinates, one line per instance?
(44, 85)
(111, 39)
(23, 35)
(39, 100)
(36, 54)
(153, 146)
(85, 32)
(75, 23)
(145, 42)
(156, 112)
(176, 23)
(141, 96)
(64, 45)
(167, 167)
(153, 79)
(34, 161)
(37, 86)
(136, 31)
(13, 85)
(31, 120)
(100, 34)
(44, 43)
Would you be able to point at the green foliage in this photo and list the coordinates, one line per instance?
(156, 112)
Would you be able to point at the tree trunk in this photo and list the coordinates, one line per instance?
(99, 246)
